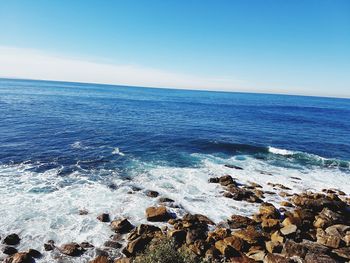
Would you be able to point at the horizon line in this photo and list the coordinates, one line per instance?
(173, 88)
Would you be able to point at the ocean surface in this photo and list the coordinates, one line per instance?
(71, 146)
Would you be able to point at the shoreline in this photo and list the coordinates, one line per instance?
(275, 233)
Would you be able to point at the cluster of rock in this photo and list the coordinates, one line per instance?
(309, 228)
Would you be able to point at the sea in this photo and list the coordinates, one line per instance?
(66, 147)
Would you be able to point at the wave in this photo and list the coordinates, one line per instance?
(117, 152)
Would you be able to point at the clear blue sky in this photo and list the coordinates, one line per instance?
(295, 46)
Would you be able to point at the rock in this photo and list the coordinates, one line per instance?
(326, 218)
(226, 250)
(268, 210)
(288, 229)
(34, 253)
(166, 200)
(179, 236)
(270, 224)
(286, 204)
(203, 219)
(151, 193)
(143, 229)
(273, 247)
(343, 252)
(137, 245)
(83, 212)
(121, 226)
(123, 260)
(9, 250)
(50, 245)
(238, 221)
(86, 245)
(226, 180)
(12, 240)
(112, 244)
(338, 230)
(71, 249)
(250, 235)
(276, 237)
(232, 166)
(327, 240)
(319, 258)
(100, 259)
(20, 257)
(103, 217)
(218, 234)
(257, 255)
(212, 254)
(214, 180)
(281, 186)
(195, 234)
(157, 214)
(276, 258)
(234, 242)
(284, 194)
(292, 248)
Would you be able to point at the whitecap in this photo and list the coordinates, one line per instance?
(117, 152)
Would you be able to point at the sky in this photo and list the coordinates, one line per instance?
(288, 47)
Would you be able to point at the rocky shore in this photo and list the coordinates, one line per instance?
(307, 227)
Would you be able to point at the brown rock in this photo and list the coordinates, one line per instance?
(121, 226)
(286, 204)
(268, 210)
(195, 234)
(257, 255)
(276, 258)
(100, 259)
(319, 258)
(288, 230)
(250, 235)
(157, 214)
(238, 221)
(327, 240)
(34, 253)
(71, 249)
(343, 252)
(21, 257)
(270, 224)
(225, 249)
(104, 217)
(151, 193)
(218, 234)
(276, 237)
(123, 260)
(273, 247)
(292, 248)
(226, 180)
(137, 245)
(234, 242)
(12, 240)
(112, 244)
(166, 200)
(179, 236)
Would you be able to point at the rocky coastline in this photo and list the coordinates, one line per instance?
(308, 227)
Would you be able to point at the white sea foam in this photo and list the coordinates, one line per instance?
(280, 151)
(41, 206)
(117, 152)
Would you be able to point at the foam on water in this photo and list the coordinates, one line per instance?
(43, 206)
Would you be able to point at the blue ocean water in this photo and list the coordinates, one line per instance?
(60, 124)
(71, 146)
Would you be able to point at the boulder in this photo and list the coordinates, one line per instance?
(100, 259)
(34, 253)
(179, 236)
(343, 252)
(165, 200)
(268, 210)
(9, 250)
(195, 234)
(238, 221)
(234, 242)
(226, 180)
(276, 258)
(71, 249)
(112, 244)
(319, 258)
(292, 248)
(103, 217)
(214, 180)
(157, 214)
(121, 226)
(226, 250)
(327, 240)
(288, 230)
(257, 255)
(20, 257)
(270, 224)
(12, 240)
(151, 193)
(249, 235)
(273, 247)
(137, 245)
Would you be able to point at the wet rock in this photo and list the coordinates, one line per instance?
(20, 257)
(34, 253)
(327, 240)
(71, 249)
(214, 180)
(100, 259)
(268, 210)
(103, 217)
(112, 244)
(326, 218)
(9, 250)
(121, 226)
(232, 166)
(202, 219)
(157, 214)
(286, 204)
(343, 252)
(281, 186)
(238, 221)
(12, 240)
(284, 194)
(86, 245)
(226, 180)
(218, 234)
(195, 234)
(83, 212)
(151, 193)
(50, 245)
(166, 200)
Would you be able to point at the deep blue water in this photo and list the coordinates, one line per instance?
(78, 126)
